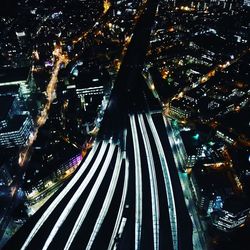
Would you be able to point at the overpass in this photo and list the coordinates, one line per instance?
(126, 193)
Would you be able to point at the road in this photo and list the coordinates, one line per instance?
(41, 119)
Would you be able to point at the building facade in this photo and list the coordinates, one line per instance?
(17, 132)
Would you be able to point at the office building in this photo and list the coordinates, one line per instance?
(17, 131)
(5, 176)
(9, 108)
(21, 77)
(232, 215)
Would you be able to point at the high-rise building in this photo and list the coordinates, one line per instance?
(9, 108)
(21, 77)
(5, 176)
(17, 131)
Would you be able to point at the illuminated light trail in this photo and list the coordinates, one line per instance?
(168, 184)
(121, 208)
(153, 183)
(75, 197)
(62, 194)
(43, 116)
(138, 184)
(90, 198)
(107, 201)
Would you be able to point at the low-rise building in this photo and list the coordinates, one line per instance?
(225, 137)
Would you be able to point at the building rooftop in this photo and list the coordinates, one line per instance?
(189, 142)
(12, 75)
(9, 89)
(213, 181)
(5, 104)
(15, 123)
(87, 80)
(236, 204)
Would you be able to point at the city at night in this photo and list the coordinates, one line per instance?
(124, 124)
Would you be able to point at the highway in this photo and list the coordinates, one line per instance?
(126, 193)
